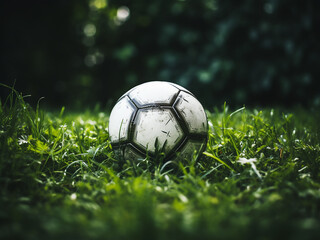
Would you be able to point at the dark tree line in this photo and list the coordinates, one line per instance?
(77, 53)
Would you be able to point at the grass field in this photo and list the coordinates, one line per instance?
(258, 179)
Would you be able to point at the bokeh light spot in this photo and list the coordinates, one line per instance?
(98, 4)
(90, 60)
(93, 58)
(123, 13)
(268, 8)
(204, 76)
(89, 30)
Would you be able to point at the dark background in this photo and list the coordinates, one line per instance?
(80, 53)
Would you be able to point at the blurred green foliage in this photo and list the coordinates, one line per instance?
(78, 53)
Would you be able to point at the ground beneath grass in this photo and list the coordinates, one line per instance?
(258, 179)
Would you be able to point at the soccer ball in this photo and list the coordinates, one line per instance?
(158, 118)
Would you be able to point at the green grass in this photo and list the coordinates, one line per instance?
(258, 179)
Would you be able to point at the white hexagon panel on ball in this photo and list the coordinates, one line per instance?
(153, 93)
(192, 112)
(157, 124)
(119, 121)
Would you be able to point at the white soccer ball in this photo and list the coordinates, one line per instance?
(158, 117)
